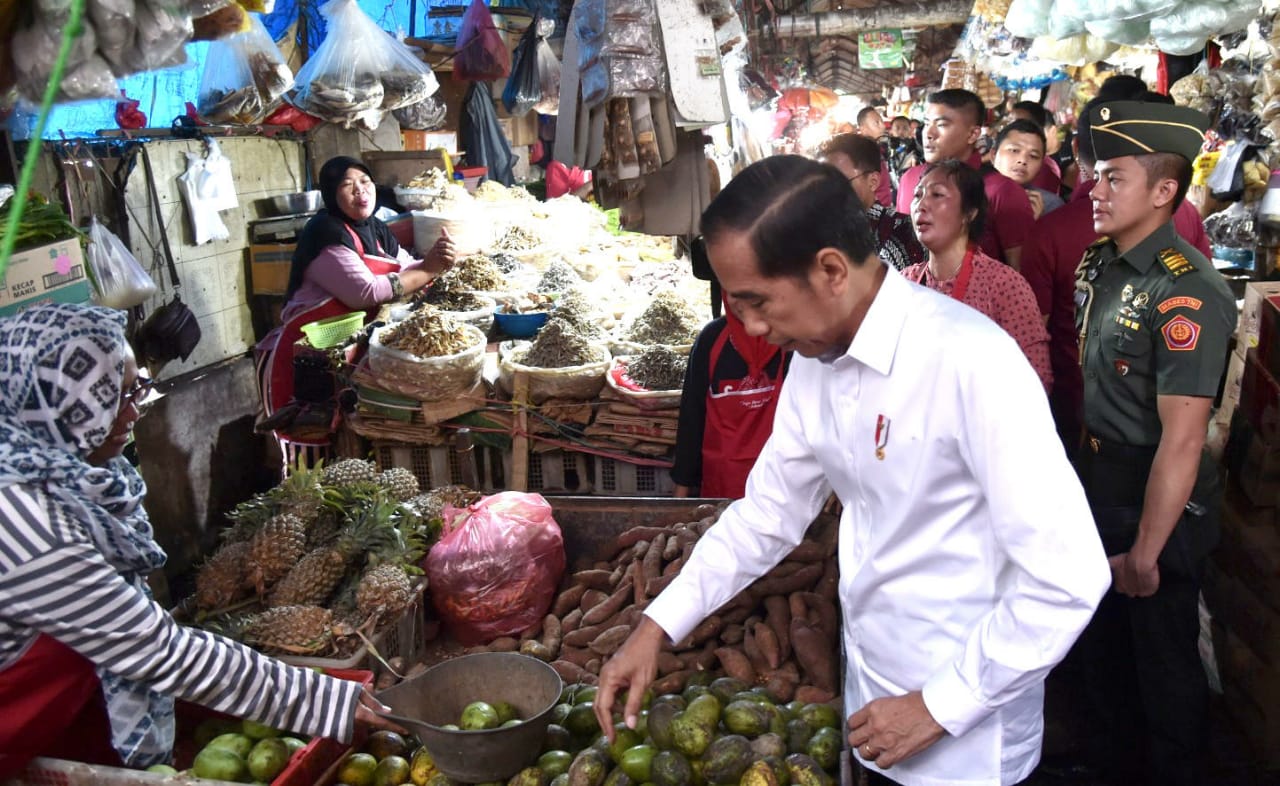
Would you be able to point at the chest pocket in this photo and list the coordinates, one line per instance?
(1130, 337)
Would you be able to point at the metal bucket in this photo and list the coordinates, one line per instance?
(439, 695)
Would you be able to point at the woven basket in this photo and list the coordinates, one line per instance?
(428, 379)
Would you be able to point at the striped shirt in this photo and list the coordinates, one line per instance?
(54, 581)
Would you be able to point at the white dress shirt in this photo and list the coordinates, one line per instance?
(969, 561)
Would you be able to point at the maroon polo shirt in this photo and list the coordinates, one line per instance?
(1049, 177)
(1009, 214)
(1049, 260)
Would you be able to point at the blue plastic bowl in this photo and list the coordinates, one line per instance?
(520, 325)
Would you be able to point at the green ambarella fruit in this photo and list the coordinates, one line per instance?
(670, 768)
(705, 709)
(589, 768)
(268, 759)
(555, 763)
(727, 759)
(820, 715)
(392, 771)
(769, 745)
(759, 774)
(725, 688)
(824, 747)
(529, 776)
(238, 744)
(660, 717)
(219, 764)
(804, 771)
(623, 740)
(797, 735)
(258, 731)
(293, 744)
(637, 762)
(479, 715)
(161, 769)
(506, 711)
(690, 736)
(747, 718)
(384, 743)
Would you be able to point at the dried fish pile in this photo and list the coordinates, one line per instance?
(242, 106)
(505, 263)
(341, 101)
(667, 320)
(401, 88)
(493, 191)
(558, 277)
(559, 345)
(433, 178)
(518, 238)
(474, 273)
(428, 333)
(658, 368)
(447, 299)
(528, 303)
(578, 310)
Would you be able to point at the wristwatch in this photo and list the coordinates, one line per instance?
(397, 286)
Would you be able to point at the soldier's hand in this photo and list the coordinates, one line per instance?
(1131, 578)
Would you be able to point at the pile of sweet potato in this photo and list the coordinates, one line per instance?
(781, 632)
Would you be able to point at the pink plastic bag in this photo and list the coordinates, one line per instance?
(495, 571)
(481, 54)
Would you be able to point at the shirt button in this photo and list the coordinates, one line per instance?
(1092, 375)
(1096, 332)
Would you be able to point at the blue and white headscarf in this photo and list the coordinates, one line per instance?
(61, 379)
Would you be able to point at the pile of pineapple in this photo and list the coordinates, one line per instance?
(321, 563)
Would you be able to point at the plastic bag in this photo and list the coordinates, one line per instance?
(426, 115)
(295, 118)
(495, 571)
(481, 54)
(121, 282)
(481, 135)
(522, 90)
(193, 184)
(1028, 18)
(245, 76)
(87, 75)
(128, 115)
(548, 79)
(359, 70)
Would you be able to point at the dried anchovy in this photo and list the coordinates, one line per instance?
(493, 191)
(475, 273)
(518, 238)
(447, 299)
(401, 88)
(559, 345)
(558, 277)
(658, 368)
(505, 263)
(433, 178)
(667, 320)
(577, 309)
(428, 333)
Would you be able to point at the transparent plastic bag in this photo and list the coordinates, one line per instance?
(622, 77)
(426, 115)
(87, 74)
(113, 24)
(163, 29)
(548, 79)
(122, 283)
(481, 54)
(359, 70)
(495, 571)
(245, 76)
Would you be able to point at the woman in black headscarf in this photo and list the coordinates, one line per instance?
(346, 260)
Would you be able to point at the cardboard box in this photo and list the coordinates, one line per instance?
(54, 273)
(269, 267)
(429, 140)
(397, 167)
(1250, 313)
(1268, 341)
(1260, 399)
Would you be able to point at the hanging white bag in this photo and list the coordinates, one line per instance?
(121, 282)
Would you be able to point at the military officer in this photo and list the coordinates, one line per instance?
(1154, 317)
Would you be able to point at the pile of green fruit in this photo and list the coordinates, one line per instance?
(718, 731)
(243, 752)
(388, 759)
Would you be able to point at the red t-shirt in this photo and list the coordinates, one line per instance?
(1009, 214)
(1049, 177)
(1001, 293)
(1049, 261)
(884, 191)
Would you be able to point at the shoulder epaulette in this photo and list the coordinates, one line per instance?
(1175, 262)
(1099, 243)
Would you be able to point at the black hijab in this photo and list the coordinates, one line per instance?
(329, 226)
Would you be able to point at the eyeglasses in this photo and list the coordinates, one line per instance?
(860, 174)
(138, 392)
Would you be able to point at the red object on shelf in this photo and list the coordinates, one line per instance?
(307, 765)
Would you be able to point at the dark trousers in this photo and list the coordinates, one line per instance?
(1140, 658)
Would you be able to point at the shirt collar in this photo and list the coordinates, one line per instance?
(974, 161)
(876, 342)
(1142, 256)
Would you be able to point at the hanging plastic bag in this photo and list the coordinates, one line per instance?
(359, 70)
(121, 282)
(481, 136)
(548, 72)
(495, 571)
(481, 53)
(193, 184)
(426, 115)
(295, 118)
(128, 115)
(522, 90)
(245, 76)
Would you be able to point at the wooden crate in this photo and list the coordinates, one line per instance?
(617, 478)
(433, 465)
(551, 472)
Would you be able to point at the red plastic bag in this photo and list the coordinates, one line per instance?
(128, 115)
(295, 118)
(496, 570)
(481, 54)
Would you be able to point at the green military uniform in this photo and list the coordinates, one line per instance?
(1153, 322)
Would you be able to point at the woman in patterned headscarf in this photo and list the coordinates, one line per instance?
(89, 663)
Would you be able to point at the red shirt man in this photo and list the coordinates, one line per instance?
(871, 125)
(953, 123)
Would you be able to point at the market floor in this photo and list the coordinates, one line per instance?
(1232, 762)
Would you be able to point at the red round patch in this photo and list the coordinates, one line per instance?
(1181, 334)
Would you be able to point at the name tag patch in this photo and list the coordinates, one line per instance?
(1179, 302)
(1181, 334)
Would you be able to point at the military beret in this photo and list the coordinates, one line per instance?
(1132, 128)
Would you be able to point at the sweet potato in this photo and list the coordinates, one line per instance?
(610, 640)
(669, 662)
(568, 600)
(752, 650)
(504, 644)
(815, 655)
(778, 617)
(732, 634)
(686, 537)
(651, 565)
(810, 694)
(654, 587)
(802, 579)
(784, 569)
(828, 585)
(582, 636)
(536, 649)
(808, 551)
(781, 683)
(672, 683)
(673, 567)
(638, 594)
(576, 655)
(594, 579)
(703, 659)
(569, 672)
(709, 628)
(672, 548)
(615, 577)
(592, 598)
(797, 606)
(706, 510)
(737, 613)
(736, 665)
(636, 534)
(416, 669)
(571, 621)
(551, 633)
(608, 607)
(828, 616)
(594, 665)
(767, 643)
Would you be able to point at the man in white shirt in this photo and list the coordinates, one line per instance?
(968, 559)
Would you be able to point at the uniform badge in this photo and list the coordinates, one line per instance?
(1179, 302)
(1181, 334)
(882, 435)
(1126, 294)
(1122, 367)
(1141, 300)
(1175, 263)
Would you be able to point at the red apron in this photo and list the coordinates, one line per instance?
(278, 377)
(739, 422)
(53, 706)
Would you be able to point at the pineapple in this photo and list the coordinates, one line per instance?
(384, 593)
(324, 530)
(399, 482)
(220, 582)
(300, 494)
(349, 472)
(274, 549)
(298, 630)
(311, 581)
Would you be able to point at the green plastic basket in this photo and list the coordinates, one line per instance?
(333, 331)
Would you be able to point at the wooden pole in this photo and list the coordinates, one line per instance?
(519, 480)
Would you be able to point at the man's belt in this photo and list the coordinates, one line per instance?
(1110, 449)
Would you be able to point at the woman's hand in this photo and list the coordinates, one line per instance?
(442, 255)
(366, 714)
